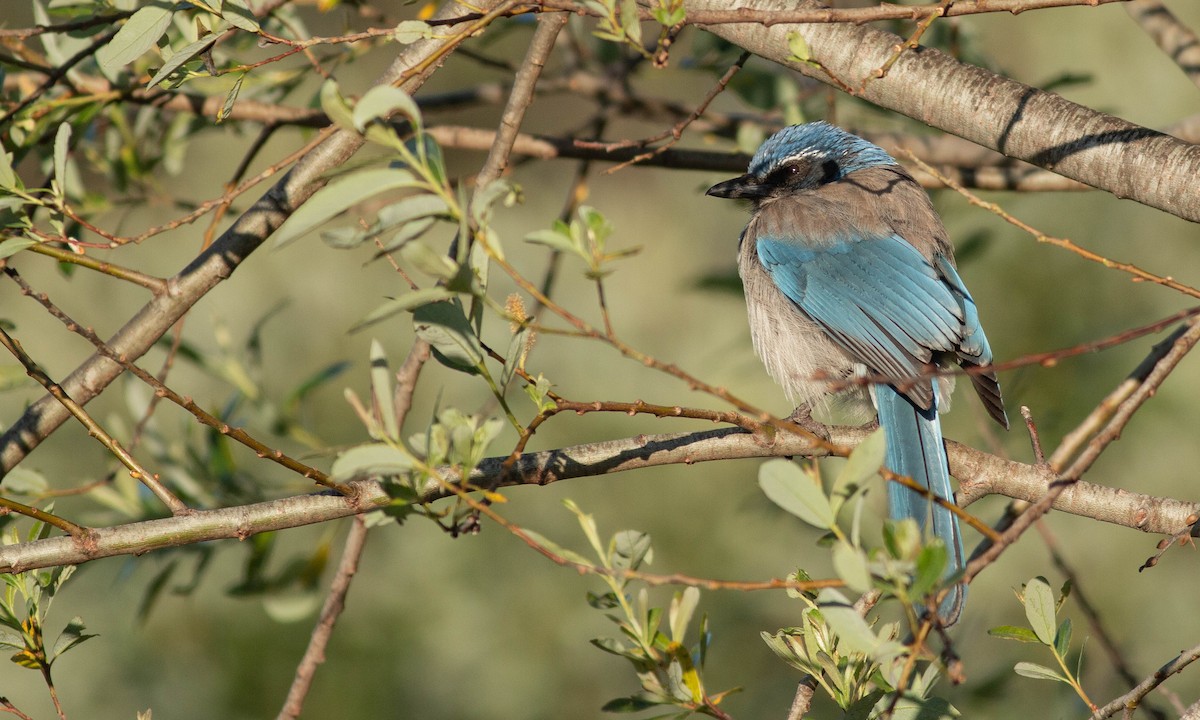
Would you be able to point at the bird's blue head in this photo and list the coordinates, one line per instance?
(800, 157)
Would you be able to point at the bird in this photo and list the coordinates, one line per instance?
(854, 301)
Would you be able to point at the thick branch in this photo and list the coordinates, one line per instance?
(1022, 122)
(979, 472)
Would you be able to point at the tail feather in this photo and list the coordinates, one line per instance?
(915, 449)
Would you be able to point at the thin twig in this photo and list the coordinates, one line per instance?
(335, 603)
(33, 370)
(161, 390)
(1130, 700)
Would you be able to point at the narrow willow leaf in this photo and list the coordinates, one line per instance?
(338, 196)
(798, 47)
(1039, 609)
(12, 246)
(1014, 632)
(789, 488)
(852, 630)
(429, 261)
(8, 178)
(230, 99)
(1038, 672)
(404, 303)
(381, 390)
(62, 146)
(445, 327)
(335, 106)
(238, 14)
(410, 31)
(850, 564)
(381, 101)
(367, 460)
(683, 606)
(139, 33)
(863, 464)
(183, 56)
(1062, 641)
(71, 636)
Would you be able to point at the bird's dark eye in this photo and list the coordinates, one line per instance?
(786, 174)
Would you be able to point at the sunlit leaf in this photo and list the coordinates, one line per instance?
(369, 460)
(139, 33)
(789, 488)
(1039, 609)
(338, 196)
(182, 57)
(1038, 672)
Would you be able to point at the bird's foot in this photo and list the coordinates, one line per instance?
(802, 416)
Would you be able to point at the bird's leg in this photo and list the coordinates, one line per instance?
(802, 416)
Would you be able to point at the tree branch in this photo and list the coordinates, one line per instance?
(980, 473)
(1022, 122)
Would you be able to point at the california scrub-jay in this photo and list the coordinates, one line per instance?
(848, 272)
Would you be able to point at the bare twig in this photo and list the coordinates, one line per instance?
(1130, 700)
(335, 603)
(150, 480)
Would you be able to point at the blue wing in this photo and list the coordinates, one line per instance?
(882, 301)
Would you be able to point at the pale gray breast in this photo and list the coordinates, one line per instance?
(795, 350)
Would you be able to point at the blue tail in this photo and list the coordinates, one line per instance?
(915, 449)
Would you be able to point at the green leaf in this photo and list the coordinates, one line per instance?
(413, 207)
(555, 240)
(445, 327)
(183, 56)
(335, 106)
(139, 33)
(633, 703)
(630, 548)
(381, 390)
(381, 101)
(546, 544)
(1038, 672)
(368, 460)
(683, 606)
(932, 708)
(404, 303)
(62, 146)
(231, 98)
(1062, 640)
(411, 231)
(850, 564)
(8, 178)
(852, 630)
(238, 14)
(789, 488)
(340, 195)
(931, 565)
(71, 636)
(1039, 609)
(798, 47)
(428, 261)
(410, 31)
(25, 481)
(862, 465)
(1014, 632)
(13, 245)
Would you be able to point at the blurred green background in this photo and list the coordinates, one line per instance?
(482, 627)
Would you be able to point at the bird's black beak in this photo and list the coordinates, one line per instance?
(746, 186)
